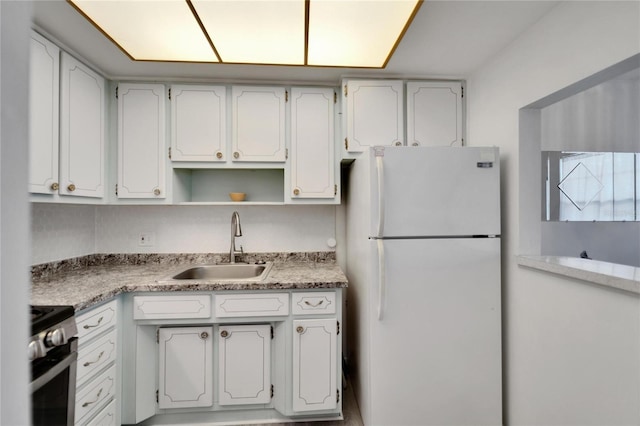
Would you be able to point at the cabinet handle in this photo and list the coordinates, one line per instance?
(398, 143)
(296, 191)
(86, 404)
(236, 154)
(55, 186)
(300, 329)
(313, 305)
(218, 155)
(156, 192)
(204, 335)
(88, 363)
(86, 326)
(224, 334)
(71, 187)
(415, 144)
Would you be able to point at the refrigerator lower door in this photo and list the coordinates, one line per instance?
(435, 356)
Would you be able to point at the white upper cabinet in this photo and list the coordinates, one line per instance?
(43, 115)
(141, 141)
(198, 123)
(373, 113)
(82, 130)
(312, 143)
(434, 113)
(258, 123)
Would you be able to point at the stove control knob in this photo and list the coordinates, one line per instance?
(34, 351)
(54, 338)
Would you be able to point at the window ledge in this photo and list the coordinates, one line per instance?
(613, 275)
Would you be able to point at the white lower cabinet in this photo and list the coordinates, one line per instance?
(315, 364)
(244, 364)
(106, 418)
(185, 364)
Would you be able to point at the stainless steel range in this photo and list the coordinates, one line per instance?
(53, 353)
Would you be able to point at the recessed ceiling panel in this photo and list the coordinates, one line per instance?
(357, 33)
(150, 30)
(255, 31)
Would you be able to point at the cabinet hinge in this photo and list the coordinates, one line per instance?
(338, 327)
(157, 396)
(116, 92)
(335, 189)
(335, 97)
(169, 153)
(346, 144)
(116, 189)
(271, 391)
(286, 96)
(158, 335)
(345, 90)
(272, 333)
(338, 396)
(169, 93)
(462, 92)
(286, 153)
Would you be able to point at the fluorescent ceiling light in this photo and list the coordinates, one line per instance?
(337, 33)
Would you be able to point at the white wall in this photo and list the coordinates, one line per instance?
(571, 350)
(14, 213)
(64, 231)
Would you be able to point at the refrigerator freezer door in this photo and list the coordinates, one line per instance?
(436, 191)
(436, 353)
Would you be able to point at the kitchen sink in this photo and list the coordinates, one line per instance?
(225, 272)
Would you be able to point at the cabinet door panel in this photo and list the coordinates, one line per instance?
(434, 114)
(43, 114)
(314, 364)
(198, 123)
(258, 123)
(374, 113)
(312, 143)
(82, 149)
(141, 141)
(185, 364)
(244, 353)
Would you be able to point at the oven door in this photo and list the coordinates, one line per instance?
(53, 388)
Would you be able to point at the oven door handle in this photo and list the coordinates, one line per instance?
(54, 371)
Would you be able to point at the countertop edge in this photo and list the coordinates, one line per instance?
(606, 274)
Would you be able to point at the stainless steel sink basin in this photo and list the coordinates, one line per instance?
(225, 272)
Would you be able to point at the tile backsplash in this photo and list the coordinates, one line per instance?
(65, 231)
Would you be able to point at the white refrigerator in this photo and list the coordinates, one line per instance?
(423, 262)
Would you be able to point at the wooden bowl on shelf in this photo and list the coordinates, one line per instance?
(237, 196)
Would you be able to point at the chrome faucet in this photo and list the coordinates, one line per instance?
(236, 231)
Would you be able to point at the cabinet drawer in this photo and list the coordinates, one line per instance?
(94, 356)
(309, 303)
(95, 321)
(252, 305)
(171, 307)
(106, 417)
(94, 396)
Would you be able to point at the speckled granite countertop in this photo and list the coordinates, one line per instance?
(84, 282)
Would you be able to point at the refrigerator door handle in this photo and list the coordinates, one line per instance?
(382, 283)
(380, 169)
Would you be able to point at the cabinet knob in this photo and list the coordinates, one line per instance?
(236, 154)
(204, 335)
(55, 186)
(218, 155)
(156, 192)
(296, 191)
(300, 329)
(224, 334)
(415, 144)
(398, 143)
(71, 187)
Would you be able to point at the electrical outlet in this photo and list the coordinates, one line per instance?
(146, 239)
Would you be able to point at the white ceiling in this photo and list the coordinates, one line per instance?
(447, 39)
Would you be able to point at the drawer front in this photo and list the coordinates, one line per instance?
(94, 356)
(106, 417)
(95, 321)
(171, 307)
(252, 305)
(95, 395)
(313, 303)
